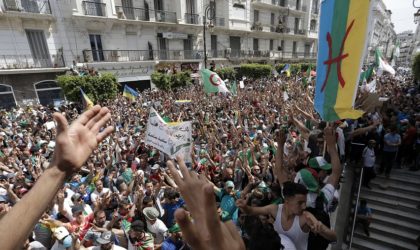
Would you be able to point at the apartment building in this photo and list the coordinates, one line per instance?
(41, 39)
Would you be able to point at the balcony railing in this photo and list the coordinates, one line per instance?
(315, 11)
(140, 55)
(29, 62)
(31, 6)
(192, 18)
(134, 13)
(94, 8)
(165, 16)
(281, 3)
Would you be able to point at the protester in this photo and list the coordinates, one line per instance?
(364, 216)
(255, 157)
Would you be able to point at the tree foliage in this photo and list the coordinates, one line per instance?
(171, 81)
(226, 73)
(255, 71)
(98, 88)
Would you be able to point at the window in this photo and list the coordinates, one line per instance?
(49, 93)
(256, 16)
(298, 4)
(294, 49)
(7, 97)
(96, 46)
(313, 25)
(272, 18)
(214, 45)
(255, 44)
(271, 44)
(39, 48)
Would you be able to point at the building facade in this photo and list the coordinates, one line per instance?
(382, 34)
(41, 39)
(406, 40)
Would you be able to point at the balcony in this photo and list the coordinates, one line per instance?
(29, 62)
(280, 3)
(94, 8)
(165, 16)
(192, 18)
(300, 32)
(140, 55)
(257, 26)
(315, 11)
(219, 22)
(133, 13)
(33, 6)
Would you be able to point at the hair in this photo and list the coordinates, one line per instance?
(147, 199)
(137, 226)
(363, 203)
(171, 194)
(261, 236)
(291, 189)
(96, 213)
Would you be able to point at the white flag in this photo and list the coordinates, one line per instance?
(171, 138)
(285, 96)
(241, 84)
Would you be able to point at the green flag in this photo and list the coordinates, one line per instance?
(212, 82)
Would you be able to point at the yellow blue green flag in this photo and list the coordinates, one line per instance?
(344, 26)
(86, 101)
(130, 93)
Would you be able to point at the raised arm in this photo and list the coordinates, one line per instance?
(335, 159)
(278, 169)
(74, 144)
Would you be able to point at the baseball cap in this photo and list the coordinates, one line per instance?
(230, 184)
(76, 197)
(155, 167)
(151, 213)
(319, 163)
(60, 232)
(305, 177)
(106, 237)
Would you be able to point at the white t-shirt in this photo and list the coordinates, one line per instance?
(114, 247)
(158, 230)
(94, 196)
(287, 242)
(369, 157)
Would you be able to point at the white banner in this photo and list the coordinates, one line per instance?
(171, 138)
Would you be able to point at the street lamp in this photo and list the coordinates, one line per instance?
(209, 14)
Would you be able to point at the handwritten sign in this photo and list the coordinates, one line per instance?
(171, 138)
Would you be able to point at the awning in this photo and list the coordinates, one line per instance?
(133, 78)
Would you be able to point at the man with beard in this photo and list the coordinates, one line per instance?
(98, 228)
(138, 238)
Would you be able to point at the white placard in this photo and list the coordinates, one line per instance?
(241, 84)
(171, 138)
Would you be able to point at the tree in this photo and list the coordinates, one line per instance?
(171, 81)
(226, 73)
(98, 88)
(255, 71)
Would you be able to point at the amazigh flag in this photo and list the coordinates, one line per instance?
(382, 64)
(286, 69)
(130, 93)
(86, 101)
(308, 78)
(212, 82)
(342, 40)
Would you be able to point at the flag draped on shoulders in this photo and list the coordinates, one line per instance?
(342, 40)
(308, 77)
(212, 82)
(130, 93)
(86, 101)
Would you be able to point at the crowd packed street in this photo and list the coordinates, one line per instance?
(264, 170)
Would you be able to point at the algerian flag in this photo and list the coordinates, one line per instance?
(397, 50)
(212, 82)
(382, 65)
(371, 87)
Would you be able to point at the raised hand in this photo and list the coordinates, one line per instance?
(330, 137)
(76, 142)
(207, 232)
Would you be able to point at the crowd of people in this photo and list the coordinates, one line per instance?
(264, 171)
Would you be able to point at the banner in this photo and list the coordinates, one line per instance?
(172, 139)
(344, 26)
